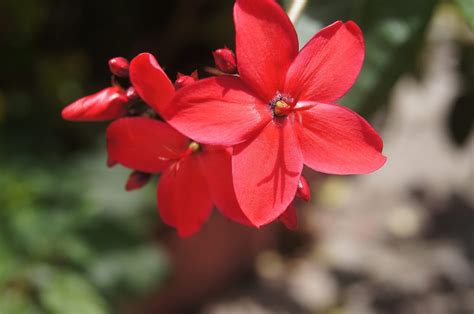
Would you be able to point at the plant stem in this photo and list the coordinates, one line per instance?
(295, 10)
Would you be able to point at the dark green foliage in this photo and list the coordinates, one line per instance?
(394, 32)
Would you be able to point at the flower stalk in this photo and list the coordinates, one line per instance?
(296, 9)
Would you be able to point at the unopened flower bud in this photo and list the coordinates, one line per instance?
(183, 79)
(225, 60)
(119, 66)
(137, 180)
(289, 218)
(303, 190)
(107, 104)
(132, 93)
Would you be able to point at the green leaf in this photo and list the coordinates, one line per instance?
(467, 9)
(14, 302)
(9, 263)
(134, 270)
(68, 293)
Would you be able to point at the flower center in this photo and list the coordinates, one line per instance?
(281, 109)
(193, 147)
(281, 105)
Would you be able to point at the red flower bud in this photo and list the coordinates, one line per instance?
(111, 162)
(119, 66)
(137, 180)
(108, 104)
(132, 93)
(183, 80)
(303, 190)
(289, 218)
(225, 60)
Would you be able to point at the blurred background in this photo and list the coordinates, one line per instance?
(400, 240)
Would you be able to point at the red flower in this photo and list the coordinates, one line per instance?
(107, 104)
(224, 59)
(280, 113)
(194, 176)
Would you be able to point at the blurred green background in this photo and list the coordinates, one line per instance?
(71, 240)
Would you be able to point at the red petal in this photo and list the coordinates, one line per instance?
(327, 67)
(183, 79)
(218, 110)
(289, 218)
(110, 162)
(303, 191)
(144, 144)
(184, 200)
(137, 180)
(266, 172)
(151, 82)
(266, 44)
(216, 165)
(108, 104)
(337, 140)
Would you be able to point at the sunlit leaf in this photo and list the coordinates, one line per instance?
(14, 302)
(68, 293)
(467, 8)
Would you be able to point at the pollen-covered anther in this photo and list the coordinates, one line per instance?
(281, 108)
(194, 147)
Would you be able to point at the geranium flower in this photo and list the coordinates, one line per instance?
(280, 113)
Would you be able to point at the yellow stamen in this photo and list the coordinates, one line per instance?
(194, 147)
(281, 108)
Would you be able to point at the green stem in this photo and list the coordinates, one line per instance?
(295, 10)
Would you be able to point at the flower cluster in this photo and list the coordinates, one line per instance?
(238, 140)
